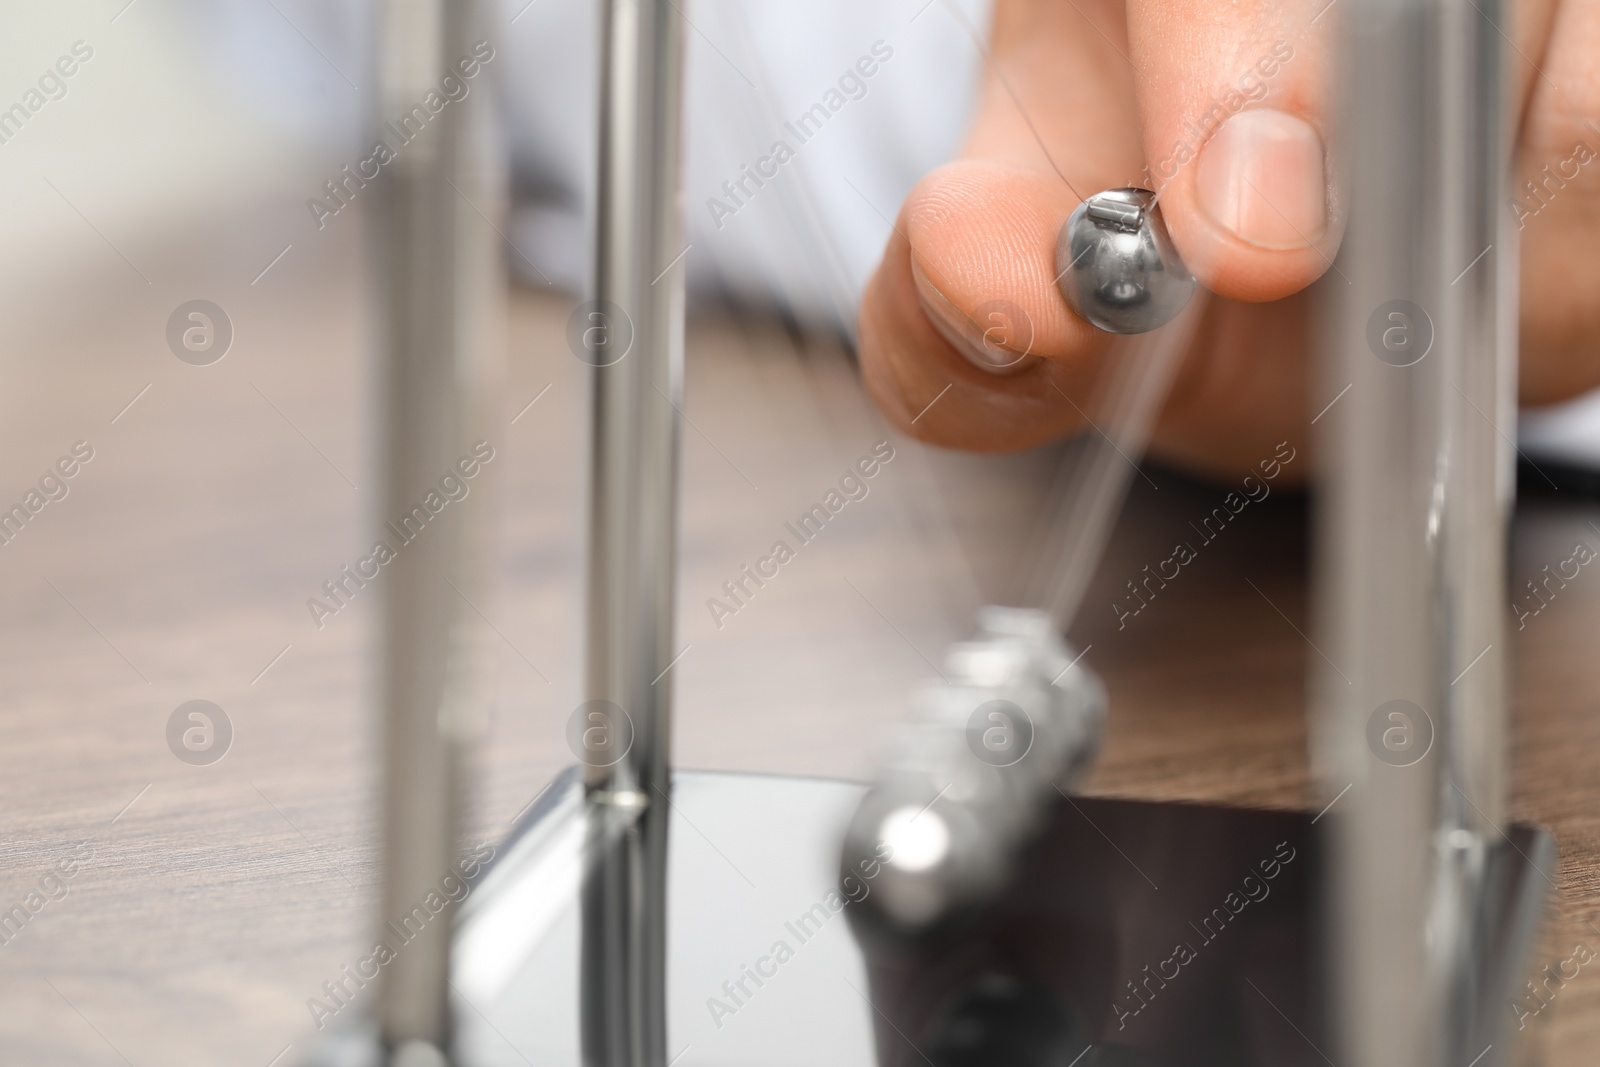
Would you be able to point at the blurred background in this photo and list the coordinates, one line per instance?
(176, 164)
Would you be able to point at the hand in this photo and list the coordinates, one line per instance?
(1228, 109)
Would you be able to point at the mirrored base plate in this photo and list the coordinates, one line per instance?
(1135, 933)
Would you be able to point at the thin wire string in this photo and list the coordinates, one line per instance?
(1093, 481)
(1000, 76)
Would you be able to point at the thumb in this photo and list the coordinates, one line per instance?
(1233, 102)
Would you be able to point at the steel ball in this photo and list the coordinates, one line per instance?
(1117, 264)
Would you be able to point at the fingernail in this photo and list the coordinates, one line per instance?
(1261, 177)
(1000, 342)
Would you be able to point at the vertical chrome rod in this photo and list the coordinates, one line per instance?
(635, 339)
(1412, 526)
(435, 350)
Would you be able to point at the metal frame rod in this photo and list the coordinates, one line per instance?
(437, 350)
(1412, 523)
(635, 342)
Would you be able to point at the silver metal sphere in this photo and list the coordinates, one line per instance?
(974, 773)
(1118, 267)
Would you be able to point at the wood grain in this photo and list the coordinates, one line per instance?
(179, 565)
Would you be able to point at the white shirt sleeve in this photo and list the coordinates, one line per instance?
(806, 125)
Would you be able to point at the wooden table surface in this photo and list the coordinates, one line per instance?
(216, 899)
